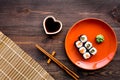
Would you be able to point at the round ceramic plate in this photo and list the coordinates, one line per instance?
(91, 28)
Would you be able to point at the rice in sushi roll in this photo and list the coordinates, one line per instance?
(88, 45)
(93, 51)
(82, 50)
(83, 38)
(78, 44)
(86, 55)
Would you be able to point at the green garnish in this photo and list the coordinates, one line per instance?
(99, 38)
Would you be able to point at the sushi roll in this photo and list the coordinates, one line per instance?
(86, 55)
(78, 44)
(82, 50)
(88, 45)
(83, 38)
(93, 51)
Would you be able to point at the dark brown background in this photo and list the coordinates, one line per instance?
(21, 20)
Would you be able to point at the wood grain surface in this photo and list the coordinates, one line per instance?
(21, 20)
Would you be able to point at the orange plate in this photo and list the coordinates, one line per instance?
(105, 51)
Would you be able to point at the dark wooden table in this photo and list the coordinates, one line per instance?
(21, 20)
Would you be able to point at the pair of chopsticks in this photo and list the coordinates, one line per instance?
(70, 72)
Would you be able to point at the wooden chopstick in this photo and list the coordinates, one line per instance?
(49, 60)
(70, 72)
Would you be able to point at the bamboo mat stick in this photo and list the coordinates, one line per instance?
(15, 64)
(70, 72)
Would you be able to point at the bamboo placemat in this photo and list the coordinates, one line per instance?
(15, 64)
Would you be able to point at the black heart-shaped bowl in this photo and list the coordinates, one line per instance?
(51, 25)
